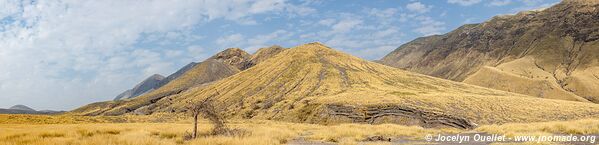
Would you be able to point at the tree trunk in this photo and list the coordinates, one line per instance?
(195, 126)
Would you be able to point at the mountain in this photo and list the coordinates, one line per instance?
(234, 57)
(550, 53)
(265, 53)
(156, 82)
(149, 84)
(317, 84)
(21, 107)
(177, 74)
(223, 64)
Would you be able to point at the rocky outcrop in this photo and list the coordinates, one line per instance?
(234, 57)
(399, 115)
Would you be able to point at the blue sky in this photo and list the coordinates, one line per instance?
(64, 54)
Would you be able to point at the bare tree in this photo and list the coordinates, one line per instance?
(207, 109)
(194, 108)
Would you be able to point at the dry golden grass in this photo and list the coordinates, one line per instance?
(578, 127)
(523, 76)
(71, 119)
(258, 132)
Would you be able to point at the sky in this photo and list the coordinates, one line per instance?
(62, 54)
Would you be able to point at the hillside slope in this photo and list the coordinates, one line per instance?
(550, 53)
(178, 73)
(147, 85)
(316, 84)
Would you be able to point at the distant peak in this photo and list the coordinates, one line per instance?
(156, 77)
(313, 45)
(232, 50)
(275, 46)
(271, 48)
(21, 107)
(316, 44)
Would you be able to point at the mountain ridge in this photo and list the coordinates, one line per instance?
(555, 47)
(220, 65)
(147, 85)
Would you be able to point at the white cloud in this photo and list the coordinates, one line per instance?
(262, 6)
(532, 2)
(8, 7)
(195, 53)
(464, 2)
(429, 26)
(345, 25)
(499, 2)
(301, 10)
(386, 33)
(233, 40)
(327, 22)
(260, 41)
(418, 7)
(527, 5)
(390, 12)
(253, 43)
(76, 52)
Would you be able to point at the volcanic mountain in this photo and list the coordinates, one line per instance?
(551, 53)
(233, 57)
(223, 64)
(317, 84)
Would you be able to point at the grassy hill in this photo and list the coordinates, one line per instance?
(550, 53)
(317, 84)
(219, 66)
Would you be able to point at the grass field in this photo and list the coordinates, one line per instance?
(255, 132)
(44, 130)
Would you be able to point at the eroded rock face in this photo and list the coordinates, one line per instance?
(561, 40)
(398, 114)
